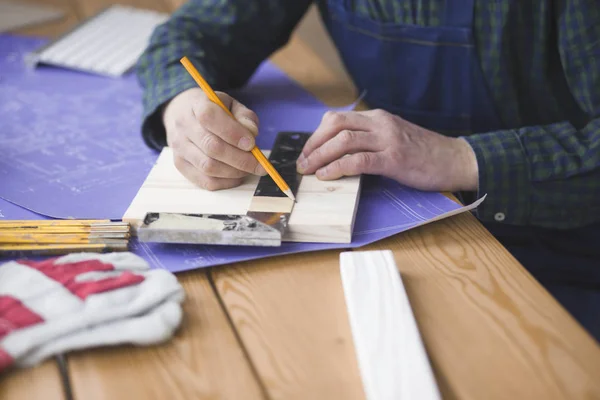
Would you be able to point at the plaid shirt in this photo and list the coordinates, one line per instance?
(541, 60)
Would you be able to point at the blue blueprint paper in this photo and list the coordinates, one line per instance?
(385, 208)
(70, 142)
(70, 146)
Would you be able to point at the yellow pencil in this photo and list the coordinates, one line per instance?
(255, 151)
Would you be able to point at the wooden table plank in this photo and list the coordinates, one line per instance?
(41, 382)
(289, 312)
(52, 29)
(203, 361)
(491, 330)
(87, 8)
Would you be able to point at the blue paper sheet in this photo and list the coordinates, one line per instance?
(385, 208)
(70, 147)
(70, 142)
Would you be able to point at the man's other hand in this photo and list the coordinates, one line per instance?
(379, 143)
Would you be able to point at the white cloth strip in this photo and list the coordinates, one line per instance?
(391, 356)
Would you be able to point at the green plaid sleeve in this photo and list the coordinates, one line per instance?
(225, 40)
(550, 175)
(545, 176)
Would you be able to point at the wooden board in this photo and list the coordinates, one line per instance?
(391, 357)
(290, 315)
(324, 212)
(203, 361)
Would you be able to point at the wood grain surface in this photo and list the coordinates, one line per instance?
(42, 382)
(55, 28)
(290, 314)
(15, 15)
(87, 8)
(203, 361)
(491, 331)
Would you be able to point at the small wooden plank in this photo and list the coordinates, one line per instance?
(271, 204)
(290, 314)
(390, 353)
(490, 329)
(324, 211)
(203, 361)
(41, 382)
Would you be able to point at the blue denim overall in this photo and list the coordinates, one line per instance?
(432, 77)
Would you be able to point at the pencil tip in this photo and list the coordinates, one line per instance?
(289, 194)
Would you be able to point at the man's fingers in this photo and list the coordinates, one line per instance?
(245, 116)
(355, 164)
(208, 166)
(216, 148)
(345, 142)
(216, 120)
(332, 124)
(205, 182)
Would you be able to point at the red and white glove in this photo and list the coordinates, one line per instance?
(83, 300)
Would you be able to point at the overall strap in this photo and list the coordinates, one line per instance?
(459, 13)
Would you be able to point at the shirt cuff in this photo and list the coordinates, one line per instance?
(504, 176)
(166, 85)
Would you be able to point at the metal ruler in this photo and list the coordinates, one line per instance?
(108, 43)
(265, 222)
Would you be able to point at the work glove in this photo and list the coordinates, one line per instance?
(83, 300)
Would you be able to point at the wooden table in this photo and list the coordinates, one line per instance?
(278, 329)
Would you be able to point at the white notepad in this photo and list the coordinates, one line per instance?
(107, 44)
(14, 15)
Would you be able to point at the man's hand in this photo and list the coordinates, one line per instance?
(379, 143)
(210, 148)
